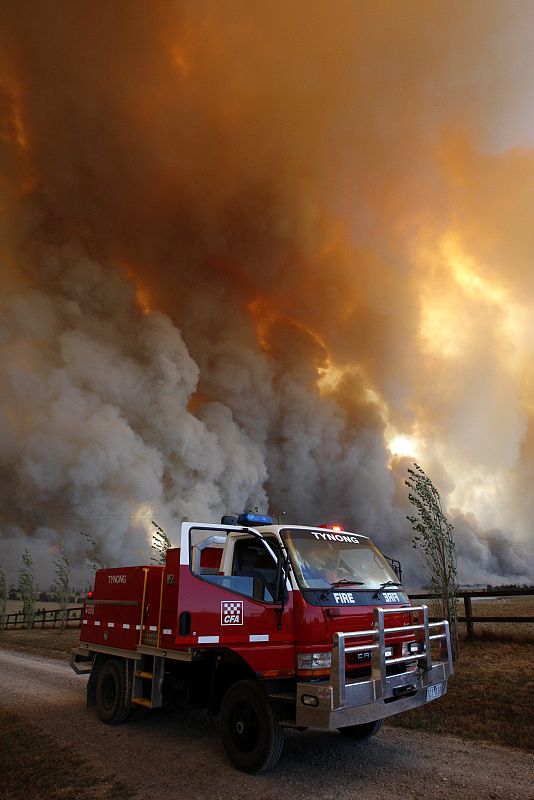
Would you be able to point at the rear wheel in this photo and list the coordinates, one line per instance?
(251, 734)
(112, 692)
(362, 732)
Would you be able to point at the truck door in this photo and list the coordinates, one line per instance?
(227, 596)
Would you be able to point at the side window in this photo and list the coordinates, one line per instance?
(251, 559)
(235, 561)
(207, 548)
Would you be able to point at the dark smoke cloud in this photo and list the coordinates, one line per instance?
(242, 249)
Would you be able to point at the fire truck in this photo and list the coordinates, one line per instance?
(270, 627)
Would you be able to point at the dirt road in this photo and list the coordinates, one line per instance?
(179, 755)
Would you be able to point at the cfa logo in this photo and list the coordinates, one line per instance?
(116, 578)
(391, 597)
(231, 612)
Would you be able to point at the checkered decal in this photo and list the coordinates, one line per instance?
(231, 612)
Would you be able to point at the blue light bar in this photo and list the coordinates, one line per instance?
(254, 519)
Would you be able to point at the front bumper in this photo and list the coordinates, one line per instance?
(337, 703)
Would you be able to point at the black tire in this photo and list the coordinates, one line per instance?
(251, 735)
(113, 692)
(362, 732)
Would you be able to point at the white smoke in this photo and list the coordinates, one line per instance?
(94, 423)
(289, 191)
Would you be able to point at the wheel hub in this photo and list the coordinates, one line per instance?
(245, 727)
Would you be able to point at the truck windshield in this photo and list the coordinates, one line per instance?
(322, 560)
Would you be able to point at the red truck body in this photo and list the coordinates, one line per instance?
(234, 622)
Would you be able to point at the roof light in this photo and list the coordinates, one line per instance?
(254, 519)
(337, 528)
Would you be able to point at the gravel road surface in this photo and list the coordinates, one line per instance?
(179, 755)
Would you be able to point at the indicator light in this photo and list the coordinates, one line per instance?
(314, 663)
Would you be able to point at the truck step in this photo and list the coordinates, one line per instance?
(148, 675)
(142, 701)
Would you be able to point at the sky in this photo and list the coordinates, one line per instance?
(266, 255)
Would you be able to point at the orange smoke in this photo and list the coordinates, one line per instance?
(332, 204)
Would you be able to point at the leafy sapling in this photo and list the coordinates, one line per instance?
(160, 543)
(434, 536)
(61, 584)
(27, 588)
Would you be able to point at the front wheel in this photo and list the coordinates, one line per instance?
(251, 735)
(362, 732)
(112, 692)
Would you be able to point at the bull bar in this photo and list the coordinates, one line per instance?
(337, 703)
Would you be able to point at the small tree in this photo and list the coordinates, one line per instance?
(62, 580)
(27, 588)
(434, 536)
(93, 552)
(3, 597)
(160, 543)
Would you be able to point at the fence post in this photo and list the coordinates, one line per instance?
(469, 617)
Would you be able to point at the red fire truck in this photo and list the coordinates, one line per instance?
(270, 626)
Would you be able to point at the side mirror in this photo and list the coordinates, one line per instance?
(281, 577)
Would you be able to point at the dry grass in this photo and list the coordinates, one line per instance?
(16, 606)
(489, 697)
(503, 607)
(33, 767)
(50, 642)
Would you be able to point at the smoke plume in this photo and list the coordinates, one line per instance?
(265, 254)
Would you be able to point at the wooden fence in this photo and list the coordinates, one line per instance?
(44, 618)
(467, 597)
(51, 618)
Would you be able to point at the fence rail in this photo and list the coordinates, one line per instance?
(44, 618)
(51, 618)
(470, 618)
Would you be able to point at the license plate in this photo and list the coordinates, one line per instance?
(433, 692)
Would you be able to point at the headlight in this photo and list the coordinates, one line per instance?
(388, 652)
(410, 648)
(314, 663)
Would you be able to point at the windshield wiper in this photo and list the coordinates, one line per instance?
(346, 582)
(390, 583)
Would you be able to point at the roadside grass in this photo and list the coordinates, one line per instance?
(520, 606)
(33, 766)
(489, 697)
(50, 642)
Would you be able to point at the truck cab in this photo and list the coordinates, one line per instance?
(271, 626)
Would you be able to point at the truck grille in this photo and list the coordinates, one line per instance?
(361, 667)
